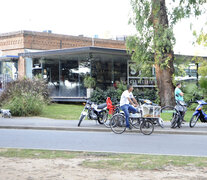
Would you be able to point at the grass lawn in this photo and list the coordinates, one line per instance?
(110, 161)
(73, 111)
(167, 116)
(63, 111)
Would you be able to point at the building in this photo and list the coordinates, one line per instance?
(63, 61)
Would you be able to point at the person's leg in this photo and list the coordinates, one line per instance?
(132, 109)
(126, 112)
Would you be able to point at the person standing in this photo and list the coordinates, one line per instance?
(128, 103)
(179, 96)
(178, 93)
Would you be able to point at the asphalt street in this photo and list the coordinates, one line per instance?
(167, 144)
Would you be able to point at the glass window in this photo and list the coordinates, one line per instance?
(51, 75)
(69, 78)
(84, 70)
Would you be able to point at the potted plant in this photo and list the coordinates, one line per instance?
(89, 83)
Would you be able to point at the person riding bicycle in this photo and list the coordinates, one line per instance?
(128, 103)
(179, 97)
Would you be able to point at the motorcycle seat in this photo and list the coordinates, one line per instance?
(101, 106)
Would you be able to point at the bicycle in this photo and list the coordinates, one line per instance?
(118, 124)
(174, 114)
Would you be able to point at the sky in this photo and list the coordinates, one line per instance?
(105, 18)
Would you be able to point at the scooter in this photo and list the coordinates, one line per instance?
(93, 112)
(198, 114)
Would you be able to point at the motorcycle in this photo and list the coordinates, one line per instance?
(198, 114)
(93, 112)
(178, 116)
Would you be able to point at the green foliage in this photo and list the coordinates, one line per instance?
(203, 80)
(99, 96)
(25, 97)
(146, 93)
(154, 21)
(191, 94)
(89, 82)
(153, 34)
(25, 105)
(121, 88)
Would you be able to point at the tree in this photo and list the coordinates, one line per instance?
(201, 39)
(153, 44)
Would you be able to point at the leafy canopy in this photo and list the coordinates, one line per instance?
(153, 34)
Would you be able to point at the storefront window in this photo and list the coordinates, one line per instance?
(84, 70)
(69, 78)
(65, 75)
(109, 70)
(51, 75)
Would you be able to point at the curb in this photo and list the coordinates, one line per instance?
(88, 129)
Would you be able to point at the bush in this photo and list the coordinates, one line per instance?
(146, 93)
(192, 93)
(25, 97)
(99, 96)
(25, 105)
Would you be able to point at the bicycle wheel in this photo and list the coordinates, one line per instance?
(118, 123)
(135, 122)
(169, 113)
(175, 119)
(147, 127)
(160, 122)
(107, 120)
(193, 120)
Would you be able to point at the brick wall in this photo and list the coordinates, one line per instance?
(47, 41)
(13, 43)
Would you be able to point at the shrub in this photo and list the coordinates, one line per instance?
(146, 93)
(99, 96)
(121, 88)
(25, 105)
(25, 97)
(191, 93)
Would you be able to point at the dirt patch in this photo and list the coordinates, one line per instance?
(71, 169)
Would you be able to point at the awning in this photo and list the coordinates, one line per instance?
(9, 58)
(63, 53)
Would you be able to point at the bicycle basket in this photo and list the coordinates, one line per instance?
(150, 111)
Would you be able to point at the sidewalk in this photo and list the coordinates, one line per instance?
(39, 123)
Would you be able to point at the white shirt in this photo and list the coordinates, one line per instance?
(124, 97)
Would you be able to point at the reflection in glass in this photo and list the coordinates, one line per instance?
(69, 80)
(51, 75)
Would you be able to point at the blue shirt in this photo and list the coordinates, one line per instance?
(178, 97)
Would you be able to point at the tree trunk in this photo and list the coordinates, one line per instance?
(165, 85)
(164, 74)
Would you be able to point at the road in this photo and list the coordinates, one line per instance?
(167, 144)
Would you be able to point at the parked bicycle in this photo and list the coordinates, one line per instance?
(198, 114)
(174, 114)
